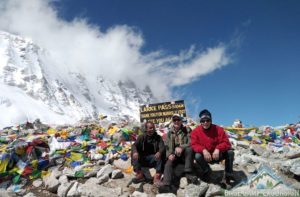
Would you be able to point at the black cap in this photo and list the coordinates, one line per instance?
(205, 114)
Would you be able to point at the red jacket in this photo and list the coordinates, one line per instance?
(211, 139)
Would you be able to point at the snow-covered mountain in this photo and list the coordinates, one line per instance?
(33, 85)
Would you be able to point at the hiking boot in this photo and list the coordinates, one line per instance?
(226, 181)
(191, 179)
(207, 176)
(229, 176)
(165, 189)
(139, 177)
(156, 179)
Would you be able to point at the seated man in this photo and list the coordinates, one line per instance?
(179, 153)
(148, 151)
(211, 144)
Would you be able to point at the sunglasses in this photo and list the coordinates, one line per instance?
(175, 120)
(207, 120)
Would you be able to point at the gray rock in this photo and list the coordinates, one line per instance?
(51, 184)
(195, 190)
(138, 194)
(287, 165)
(243, 144)
(92, 180)
(180, 192)
(64, 188)
(97, 191)
(118, 191)
(125, 194)
(30, 194)
(55, 172)
(4, 193)
(150, 189)
(214, 190)
(136, 187)
(106, 170)
(63, 179)
(166, 195)
(255, 159)
(183, 182)
(103, 179)
(37, 183)
(292, 154)
(266, 154)
(257, 149)
(251, 169)
(73, 192)
(295, 168)
(117, 174)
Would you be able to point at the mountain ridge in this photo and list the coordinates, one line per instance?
(57, 94)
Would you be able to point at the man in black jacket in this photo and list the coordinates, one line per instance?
(148, 151)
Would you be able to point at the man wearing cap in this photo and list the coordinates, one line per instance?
(148, 151)
(211, 144)
(179, 152)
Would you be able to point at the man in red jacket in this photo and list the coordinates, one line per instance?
(211, 144)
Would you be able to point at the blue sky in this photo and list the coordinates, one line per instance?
(260, 86)
(239, 59)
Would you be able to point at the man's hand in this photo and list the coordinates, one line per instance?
(171, 157)
(178, 151)
(207, 155)
(216, 154)
(157, 156)
(135, 156)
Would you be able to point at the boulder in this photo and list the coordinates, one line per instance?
(166, 195)
(73, 192)
(138, 194)
(64, 188)
(257, 149)
(55, 171)
(195, 190)
(106, 170)
(98, 191)
(104, 178)
(117, 174)
(63, 179)
(180, 192)
(183, 182)
(30, 194)
(214, 190)
(51, 183)
(37, 183)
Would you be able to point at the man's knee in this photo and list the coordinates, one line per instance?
(230, 154)
(198, 157)
(188, 150)
(169, 163)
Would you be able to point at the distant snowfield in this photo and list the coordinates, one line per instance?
(17, 108)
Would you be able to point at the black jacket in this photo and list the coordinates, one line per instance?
(155, 139)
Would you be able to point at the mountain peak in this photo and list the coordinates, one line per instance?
(33, 86)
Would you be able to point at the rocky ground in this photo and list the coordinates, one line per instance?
(110, 180)
(79, 166)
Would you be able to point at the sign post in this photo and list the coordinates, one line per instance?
(161, 112)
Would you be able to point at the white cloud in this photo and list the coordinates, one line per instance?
(81, 47)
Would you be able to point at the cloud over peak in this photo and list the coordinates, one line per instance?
(78, 46)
